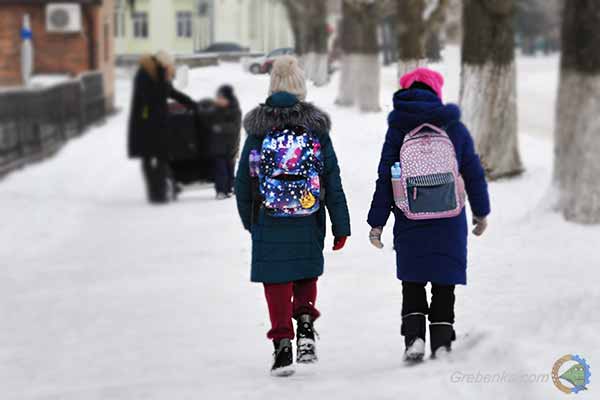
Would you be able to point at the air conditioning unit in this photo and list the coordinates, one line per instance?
(63, 17)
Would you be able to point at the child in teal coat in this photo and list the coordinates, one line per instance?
(287, 253)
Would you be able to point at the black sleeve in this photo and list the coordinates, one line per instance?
(181, 98)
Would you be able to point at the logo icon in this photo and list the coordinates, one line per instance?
(571, 374)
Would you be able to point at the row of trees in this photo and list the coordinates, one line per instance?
(488, 98)
(488, 91)
(577, 134)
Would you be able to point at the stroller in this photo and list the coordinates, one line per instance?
(190, 134)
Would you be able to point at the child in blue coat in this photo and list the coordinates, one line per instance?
(431, 250)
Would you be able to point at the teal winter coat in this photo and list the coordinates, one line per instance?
(289, 249)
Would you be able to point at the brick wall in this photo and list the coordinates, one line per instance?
(53, 52)
(9, 49)
(105, 51)
(71, 53)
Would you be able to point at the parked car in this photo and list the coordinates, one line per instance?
(263, 65)
(225, 47)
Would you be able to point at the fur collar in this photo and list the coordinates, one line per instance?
(149, 64)
(414, 107)
(264, 117)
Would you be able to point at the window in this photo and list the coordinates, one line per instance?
(119, 23)
(203, 9)
(140, 25)
(184, 24)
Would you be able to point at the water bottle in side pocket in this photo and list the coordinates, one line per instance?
(396, 171)
(398, 188)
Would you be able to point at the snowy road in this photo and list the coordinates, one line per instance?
(104, 297)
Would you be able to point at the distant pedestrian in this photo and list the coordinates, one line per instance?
(225, 142)
(288, 177)
(148, 130)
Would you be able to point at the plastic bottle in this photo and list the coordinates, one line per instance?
(396, 171)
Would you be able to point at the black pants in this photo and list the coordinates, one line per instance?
(158, 179)
(440, 311)
(414, 300)
(224, 174)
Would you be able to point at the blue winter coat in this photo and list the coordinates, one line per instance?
(431, 250)
(290, 249)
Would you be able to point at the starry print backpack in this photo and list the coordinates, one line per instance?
(429, 185)
(289, 172)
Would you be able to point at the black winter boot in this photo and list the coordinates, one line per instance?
(414, 330)
(442, 335)
(283, 360)
(306, 352)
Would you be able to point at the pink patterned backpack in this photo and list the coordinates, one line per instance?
(426, 182)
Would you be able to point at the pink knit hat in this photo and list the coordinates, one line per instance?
(431, 78)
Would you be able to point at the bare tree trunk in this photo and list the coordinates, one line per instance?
(577, 139)
(360, 75)
(317, 51)
(411, 35)
(488, 94)
(308, 21)
(414, 29)
(433, 47)
(295, 17)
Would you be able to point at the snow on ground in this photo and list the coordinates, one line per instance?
(45, 80)
(105, 297)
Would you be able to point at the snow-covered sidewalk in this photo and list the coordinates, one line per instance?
(105, 297)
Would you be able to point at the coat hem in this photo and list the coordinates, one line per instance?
(293, 279)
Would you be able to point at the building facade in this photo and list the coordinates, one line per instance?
(188, 26)
(261, 25)
(154, 25)
(90, 48)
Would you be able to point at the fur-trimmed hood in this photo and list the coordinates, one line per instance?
(149, 64)
(414, 107)
(264, 117)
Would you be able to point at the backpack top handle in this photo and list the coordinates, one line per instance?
(419, 128)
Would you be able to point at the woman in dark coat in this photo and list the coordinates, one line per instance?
(287, 253)
(432, 250)
(225, 141)
(148, 128)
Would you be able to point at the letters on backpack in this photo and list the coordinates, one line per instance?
(289, 172)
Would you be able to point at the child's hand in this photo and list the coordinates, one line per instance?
(480, 225)
(339, 242)
(375, 237)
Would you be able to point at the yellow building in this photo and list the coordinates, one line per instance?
(186, 26)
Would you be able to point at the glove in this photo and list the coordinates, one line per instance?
(480, 225)
(339, 242)
(375, 237)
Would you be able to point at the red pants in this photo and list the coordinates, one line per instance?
(287, 301)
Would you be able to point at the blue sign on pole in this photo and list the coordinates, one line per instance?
(26, 34)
